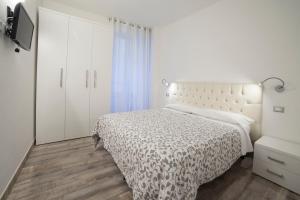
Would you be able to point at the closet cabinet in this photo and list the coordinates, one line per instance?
(78, 78)
(51, 74)
(73, 76)
(101, 73)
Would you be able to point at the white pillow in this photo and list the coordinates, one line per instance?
(229, 117)
(181, 107)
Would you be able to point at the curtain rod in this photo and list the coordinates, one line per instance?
(130, 24)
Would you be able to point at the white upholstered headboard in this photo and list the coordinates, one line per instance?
(240, 98)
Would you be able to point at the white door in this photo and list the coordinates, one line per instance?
(78, 78)
(101, 72)
(51, 71)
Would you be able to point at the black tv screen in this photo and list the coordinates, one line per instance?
(22, 28)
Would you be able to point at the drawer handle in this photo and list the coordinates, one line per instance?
(275, 174)
(275, 160)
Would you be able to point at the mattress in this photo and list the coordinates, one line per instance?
(167, 154)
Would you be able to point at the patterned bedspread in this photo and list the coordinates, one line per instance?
(167, 155)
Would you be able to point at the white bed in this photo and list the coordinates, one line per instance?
(168, 153)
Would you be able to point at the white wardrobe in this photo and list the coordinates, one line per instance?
(73, 75)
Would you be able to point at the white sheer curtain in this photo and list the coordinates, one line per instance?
(131, 73)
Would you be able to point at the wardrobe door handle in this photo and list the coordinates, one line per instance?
(61, 77)
(95, 78)
(87, 78)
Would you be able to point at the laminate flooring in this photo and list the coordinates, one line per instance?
(74, 170)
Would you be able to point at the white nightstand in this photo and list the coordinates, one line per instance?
(278, 161)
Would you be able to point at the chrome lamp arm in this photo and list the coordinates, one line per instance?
(278, 88)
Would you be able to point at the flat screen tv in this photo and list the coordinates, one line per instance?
(22, 27)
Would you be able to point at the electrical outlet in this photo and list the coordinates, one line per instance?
(279, 109)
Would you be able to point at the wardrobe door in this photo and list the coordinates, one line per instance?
(101, 72)
(51, 71)
(78, 78)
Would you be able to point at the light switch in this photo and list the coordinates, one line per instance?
(279, 109)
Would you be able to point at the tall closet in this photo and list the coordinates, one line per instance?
(73, 75)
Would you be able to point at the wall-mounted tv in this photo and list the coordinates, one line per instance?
(22, 27)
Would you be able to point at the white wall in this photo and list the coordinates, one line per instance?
(73, 11)
(17, 86)
(237, 41)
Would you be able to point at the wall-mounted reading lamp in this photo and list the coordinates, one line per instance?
(165, 83)
(278, 88)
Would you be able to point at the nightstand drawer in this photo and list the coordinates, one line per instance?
(277, 175)
(277, 159)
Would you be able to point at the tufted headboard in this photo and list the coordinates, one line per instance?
(239, 98)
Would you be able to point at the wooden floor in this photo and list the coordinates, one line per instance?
(73, 170)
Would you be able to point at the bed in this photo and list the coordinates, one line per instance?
(168, 153)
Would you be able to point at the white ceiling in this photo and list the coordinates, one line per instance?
(144, 12)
